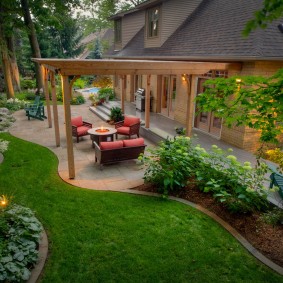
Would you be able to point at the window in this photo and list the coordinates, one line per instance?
(118, 30)
(153, 22)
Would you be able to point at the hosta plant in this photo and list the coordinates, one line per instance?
(19, 238)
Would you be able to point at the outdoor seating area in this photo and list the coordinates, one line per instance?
(79, 127)
(121, 150)
(129, 127)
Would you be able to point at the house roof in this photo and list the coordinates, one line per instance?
(214, 32)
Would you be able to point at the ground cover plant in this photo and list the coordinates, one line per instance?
(112, 237)
(19, 239)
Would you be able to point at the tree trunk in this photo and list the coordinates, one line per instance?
(14, 66)
(33, 41)
(5, 62)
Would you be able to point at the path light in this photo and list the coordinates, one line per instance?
(238, 82)
(184, 77)
(4, 201)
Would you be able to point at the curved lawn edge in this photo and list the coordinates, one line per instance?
(251, 249)
(42, 256)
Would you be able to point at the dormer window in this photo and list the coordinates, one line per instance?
(153, 22)
(118, 31)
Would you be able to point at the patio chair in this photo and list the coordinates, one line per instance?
(129, 127)
(36, 102)
(80, 127)
(276, 179)
(36, 111)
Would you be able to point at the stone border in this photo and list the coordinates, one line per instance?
(42, 256)
(263, 259)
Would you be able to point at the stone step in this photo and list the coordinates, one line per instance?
(99, 113)
(111, 104)
(103, 109)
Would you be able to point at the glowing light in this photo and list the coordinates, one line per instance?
(4, 201)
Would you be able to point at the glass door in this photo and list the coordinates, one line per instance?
(206, 121)
(168, 96)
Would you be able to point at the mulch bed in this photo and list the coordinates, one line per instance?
(264, 237)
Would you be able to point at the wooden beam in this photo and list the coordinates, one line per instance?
(147, 102)
(55, 109)
(191, 82)
(159, 92)
(68, 126)
(131, 67)
(132, 88)
(46, 93)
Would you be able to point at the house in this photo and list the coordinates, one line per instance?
(195, 31)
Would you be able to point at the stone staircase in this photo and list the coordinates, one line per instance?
(103, 111)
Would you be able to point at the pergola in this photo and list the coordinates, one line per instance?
(71, 69)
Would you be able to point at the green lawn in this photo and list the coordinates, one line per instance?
(113, 237)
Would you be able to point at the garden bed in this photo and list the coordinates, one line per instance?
(264, 237)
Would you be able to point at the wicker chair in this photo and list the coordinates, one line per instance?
(80, 127)
(129, 127)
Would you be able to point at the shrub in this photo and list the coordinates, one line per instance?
(14, 104)
(275, 155)
(19, 238)
(79, 83)
(105, 93)
(78, 100)
(273, 217)
(176, 162)
(102, 81)
(3, 145)
(169, 165)
(116, 114)
(28, 84)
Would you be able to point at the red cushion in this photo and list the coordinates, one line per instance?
(123, 130)
(129, 120)
(82, 130)
(111, 145)
(133, 142)
(77, 121)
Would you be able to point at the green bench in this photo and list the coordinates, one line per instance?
(276, 179)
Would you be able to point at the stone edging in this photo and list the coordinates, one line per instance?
(42, 256)
(263, 259)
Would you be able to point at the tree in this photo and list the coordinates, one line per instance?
(252, 101)
(271, 10)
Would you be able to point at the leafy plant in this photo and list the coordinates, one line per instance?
(102, 82)
(28, 84)
(14, 104)
(273, 217)
(79, 83)
(3, 145)
(106, 93)
(176, 162)
(116, 114)
(78, 100)
(251, 101)
(180, 131)
(19, 238)
(275, 155)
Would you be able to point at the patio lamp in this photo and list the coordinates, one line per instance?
(238, 82)
(183, 77)
(4, 201)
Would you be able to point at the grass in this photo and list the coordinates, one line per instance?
(113, 237)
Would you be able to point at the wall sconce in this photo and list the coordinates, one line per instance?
(184, 77)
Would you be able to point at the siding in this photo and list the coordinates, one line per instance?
(174, 14)
(131, 24)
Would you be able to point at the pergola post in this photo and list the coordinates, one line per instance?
(123, 94)
(147, 102)
(55, 109)
(191, 81)
(46, 93)
(69, 138)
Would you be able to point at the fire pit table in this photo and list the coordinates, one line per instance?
(101, 134)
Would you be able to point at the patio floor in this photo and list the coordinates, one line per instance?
(115, 177)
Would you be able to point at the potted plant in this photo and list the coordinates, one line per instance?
(116, 114)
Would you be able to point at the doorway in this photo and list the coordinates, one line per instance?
(168, 96)
(206, 121)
